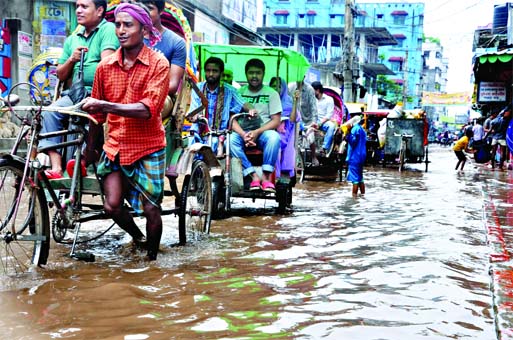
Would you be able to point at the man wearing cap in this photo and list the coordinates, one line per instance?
(325, 108)
(356, 154)
(129, 91)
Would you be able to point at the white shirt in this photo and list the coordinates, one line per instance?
(325, 107)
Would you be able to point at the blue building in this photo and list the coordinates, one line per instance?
(388, 40)
(406, 23)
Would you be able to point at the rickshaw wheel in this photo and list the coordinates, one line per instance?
(427, 159)
(300, 167)
(218, 199)
(282, 196)
(196, 203)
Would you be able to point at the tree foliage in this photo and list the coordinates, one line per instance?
(389, 90)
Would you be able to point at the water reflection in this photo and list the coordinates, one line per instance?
(407, 261)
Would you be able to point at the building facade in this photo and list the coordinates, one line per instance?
(405, 21)
(317, 30)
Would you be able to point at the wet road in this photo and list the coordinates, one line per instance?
(407, 261)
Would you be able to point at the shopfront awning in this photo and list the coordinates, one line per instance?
(281, 12)
(396, 59)
(375, 69)
(399, 13)
(502, 57)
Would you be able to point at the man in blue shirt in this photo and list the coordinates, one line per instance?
(172, 46)
(223, 100)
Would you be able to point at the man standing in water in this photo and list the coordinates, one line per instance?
(129, 91)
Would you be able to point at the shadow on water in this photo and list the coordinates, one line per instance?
(406, 261)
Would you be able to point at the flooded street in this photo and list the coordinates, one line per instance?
(407, 261)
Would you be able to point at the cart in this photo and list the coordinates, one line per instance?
(404, 142)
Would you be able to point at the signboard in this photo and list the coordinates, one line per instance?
(25, 43)
(445, 99)
(491, 92)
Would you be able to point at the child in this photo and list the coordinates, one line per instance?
(356, 154)
(460, 146)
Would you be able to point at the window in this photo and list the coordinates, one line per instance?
(399, 17)
(281, 19)
(310, 20)
(396, 66)
(399, 20)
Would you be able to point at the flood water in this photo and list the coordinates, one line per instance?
(407, 261)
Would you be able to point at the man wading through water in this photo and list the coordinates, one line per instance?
(129, 91)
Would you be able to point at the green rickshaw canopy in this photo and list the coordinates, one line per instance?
(288, 64)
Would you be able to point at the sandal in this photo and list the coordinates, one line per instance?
(51, 174)
(255, 185)
(268, 186)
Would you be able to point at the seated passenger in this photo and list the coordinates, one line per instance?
(258, 130)
(172, 46)
(97, 38)
(325, 107)
(286, 163)
(228, 77)
(223, 99)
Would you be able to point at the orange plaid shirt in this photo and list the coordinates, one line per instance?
(146, 82)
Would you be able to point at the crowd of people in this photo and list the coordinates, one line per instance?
(132, 69)
(485, 138)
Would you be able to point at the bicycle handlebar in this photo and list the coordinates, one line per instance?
(69, 110)
(404, 135)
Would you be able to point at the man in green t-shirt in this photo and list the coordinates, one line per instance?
(97, 38)
(259, 130)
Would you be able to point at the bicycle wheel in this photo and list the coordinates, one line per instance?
(402, 155)
(196, 203)
(24, 226)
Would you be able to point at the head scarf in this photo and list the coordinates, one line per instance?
(139, 14)
(286, 100)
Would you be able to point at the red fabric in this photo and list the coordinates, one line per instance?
(146, 82)
(6, 67)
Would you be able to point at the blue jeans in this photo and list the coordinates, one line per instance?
(54, 121)
(329, 128)
(268, 142)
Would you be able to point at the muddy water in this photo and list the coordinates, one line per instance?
(407, 261)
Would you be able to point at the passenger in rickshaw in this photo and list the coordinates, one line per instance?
(129, 91)
(97, 38)
(307, 109)
(228, 77)
(287, 159)
(258, 130)
(223, 99)
(172, 46)
(325, 108)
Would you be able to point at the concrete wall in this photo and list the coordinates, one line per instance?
(21, 9)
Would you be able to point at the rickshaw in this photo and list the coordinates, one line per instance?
(31, 200)
(332, 163)
(281, 62)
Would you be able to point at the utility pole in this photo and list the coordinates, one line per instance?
(405, 80)
(349, 52)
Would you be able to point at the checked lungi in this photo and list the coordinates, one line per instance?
(145, 176)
